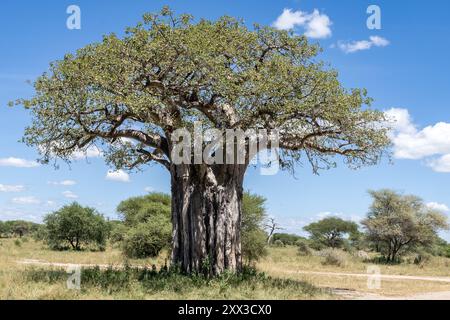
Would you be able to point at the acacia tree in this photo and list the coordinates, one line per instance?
(171, 71)
(330, 231)
(399, 223)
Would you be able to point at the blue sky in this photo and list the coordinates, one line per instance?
(404, 66)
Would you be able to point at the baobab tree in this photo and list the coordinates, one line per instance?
(129, 95)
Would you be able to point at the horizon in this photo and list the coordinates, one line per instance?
(408, 82)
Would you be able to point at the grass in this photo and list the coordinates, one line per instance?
(18, 281)
(285, 262)
(277, 276)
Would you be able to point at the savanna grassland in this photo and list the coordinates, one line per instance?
(26, 273)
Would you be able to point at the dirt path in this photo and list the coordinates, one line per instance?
(382, 276)
(346, 294)
(355, 295)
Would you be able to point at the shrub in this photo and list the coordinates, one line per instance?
(147, 239)
(253, 236)
(253, 245)
(146, 229)
(278, 243)
(118, 233)
(334, 257)
(304, 249)
(287, 239)
(422, 258)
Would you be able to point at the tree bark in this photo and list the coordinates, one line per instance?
(206, 217)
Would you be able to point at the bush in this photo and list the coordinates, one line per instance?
(253, 236)
(253, 245)
(74, 226)
(334, 257)
(118, 233)
(422, 258)
(278, 243)
(287, 239)
(304, 249)
(147, 239)
(146, 229)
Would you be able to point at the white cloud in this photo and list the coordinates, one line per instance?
(354, 46)
(441, 164)
(63, 183)
(438, 206)
(26, 200)
(91, 152)
(70, 195)
(431, 143)
(18, 163)
(119, 175)
(149, 189)
(316, 25)
(11, 188)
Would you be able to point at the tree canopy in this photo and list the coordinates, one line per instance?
(330, 231)
(127, 95)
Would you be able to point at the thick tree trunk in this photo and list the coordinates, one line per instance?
(206, 217)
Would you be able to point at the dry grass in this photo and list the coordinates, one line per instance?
(16, 284)
(281, 263)
(285, 262)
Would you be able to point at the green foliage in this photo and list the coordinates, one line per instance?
(169, 71)
(330, 232)
(171, 280)
(147, 239)
(41, 233)
(147, 227)
(118, 231)
(278, 243)
(17, 228)
(253, 236)
(254, 245)
(398, 224)
(141, 209)
(287, 239)
(76, 226)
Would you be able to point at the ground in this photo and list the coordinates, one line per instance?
(22, 264)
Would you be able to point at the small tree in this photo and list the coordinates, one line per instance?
(401, 223)
(330, 232)
(76, 226)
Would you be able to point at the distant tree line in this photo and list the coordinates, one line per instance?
(17, 228)
(395, 225)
